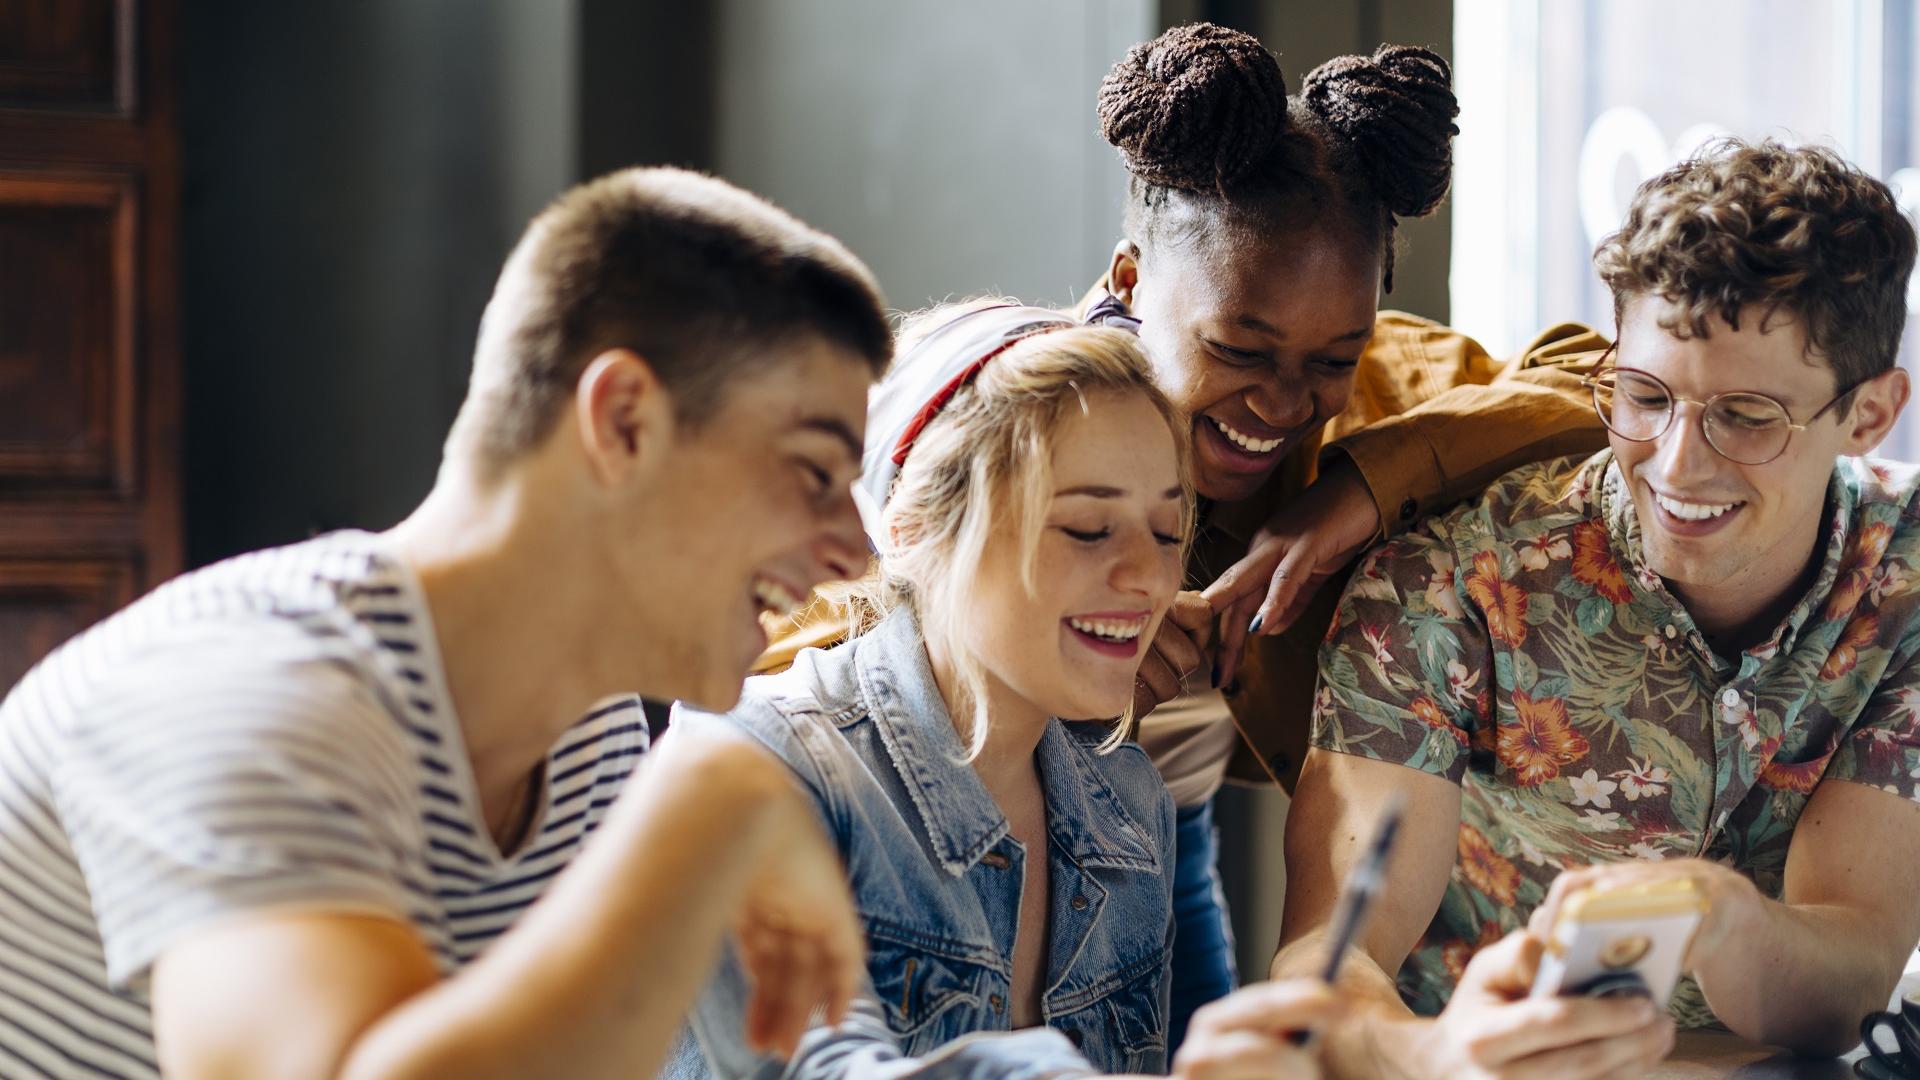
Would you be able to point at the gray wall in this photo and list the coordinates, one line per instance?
(354, 173)
(952, 145)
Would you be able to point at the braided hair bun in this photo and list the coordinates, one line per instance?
(1395, 109)
(1199, 108)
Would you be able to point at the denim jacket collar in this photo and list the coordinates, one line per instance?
(1085, 816)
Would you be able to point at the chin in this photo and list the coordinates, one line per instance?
(717, 699)
(1097, 705)
(1229, 487)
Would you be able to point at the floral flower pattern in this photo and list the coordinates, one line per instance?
(1541, 742)
(1587, 719)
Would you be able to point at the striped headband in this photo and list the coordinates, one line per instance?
(925, 378)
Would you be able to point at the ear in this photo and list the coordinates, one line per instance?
(1123, 271)
(1876, 406)
(624, 415)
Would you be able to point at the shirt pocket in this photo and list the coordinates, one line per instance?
(929, 995)
(1125, 1030)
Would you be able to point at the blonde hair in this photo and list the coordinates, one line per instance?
(983, 465)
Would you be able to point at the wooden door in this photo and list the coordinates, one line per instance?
(89, 352)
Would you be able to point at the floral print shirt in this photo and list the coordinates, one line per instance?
(1520, 646)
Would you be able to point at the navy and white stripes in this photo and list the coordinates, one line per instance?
(274, 731)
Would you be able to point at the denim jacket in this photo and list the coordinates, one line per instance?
(937, 879)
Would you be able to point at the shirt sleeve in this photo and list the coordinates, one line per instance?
(1453, 444)
(1882, 748)
(192, 792)
(1405, 667)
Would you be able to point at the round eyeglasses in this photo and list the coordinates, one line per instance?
(1744, 427)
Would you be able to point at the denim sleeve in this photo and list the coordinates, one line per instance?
(862, 1047)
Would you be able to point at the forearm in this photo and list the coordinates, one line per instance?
(1452, 447)
(1838, 950)
(598, 976)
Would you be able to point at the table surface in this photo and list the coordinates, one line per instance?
(1699, 1054)
(1716, 1053)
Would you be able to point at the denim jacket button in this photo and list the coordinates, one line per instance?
(1079, 903)
(995, 860)
(999, 1003)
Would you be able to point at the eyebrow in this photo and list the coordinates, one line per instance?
(1099, 491)
(834, 428)
(1255, 323)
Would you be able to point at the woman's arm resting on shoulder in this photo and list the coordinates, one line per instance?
(1451, 446)
(595, 980)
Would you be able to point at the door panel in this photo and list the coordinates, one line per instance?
(89, 354)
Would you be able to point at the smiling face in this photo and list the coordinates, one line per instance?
(750, 511)
(1256, 342)
(1105, 570)
(1732, 538)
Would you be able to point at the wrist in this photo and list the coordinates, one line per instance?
(1736, 912)
(1342, 472)
(1373, 1043)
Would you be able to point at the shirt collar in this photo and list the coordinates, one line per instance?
(959, 818)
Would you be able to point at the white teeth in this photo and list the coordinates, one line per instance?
(1109, 629)
(1247, 442)
(773, 596)
(1692, 511)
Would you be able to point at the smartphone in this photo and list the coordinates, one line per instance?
(1629, 940)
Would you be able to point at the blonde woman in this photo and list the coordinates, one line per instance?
(1009, 852)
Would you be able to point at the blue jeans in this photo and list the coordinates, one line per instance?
(1203, 969)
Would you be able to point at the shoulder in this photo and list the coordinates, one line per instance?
(1524, 505)
(797, 714)
(256, 652)
(1520, 503)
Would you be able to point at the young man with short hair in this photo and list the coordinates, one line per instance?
(289, 815)
(1690, 656)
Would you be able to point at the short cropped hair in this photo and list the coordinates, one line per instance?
(1790, 231)
(701, 279)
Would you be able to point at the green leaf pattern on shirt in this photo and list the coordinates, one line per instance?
(1519, 646)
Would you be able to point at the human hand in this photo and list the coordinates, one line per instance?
(1180, 651)
(1292, 555)
(1491, 1029)
(799, 937)
(1732, 900)
(1249, 1033)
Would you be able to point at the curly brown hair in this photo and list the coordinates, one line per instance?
(1214, 144)
(1790, 231)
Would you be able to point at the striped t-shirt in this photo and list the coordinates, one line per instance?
(272, 732)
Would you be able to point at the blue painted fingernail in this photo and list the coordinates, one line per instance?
(1254, 626)
(1214, 678)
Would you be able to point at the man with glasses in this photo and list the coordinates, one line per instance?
(1691, 655)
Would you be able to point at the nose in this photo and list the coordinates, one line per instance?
(1683, 456)
(1281, 403)
(840, 548)
(1140, 568)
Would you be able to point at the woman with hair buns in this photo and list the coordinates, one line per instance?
(1259, 236)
